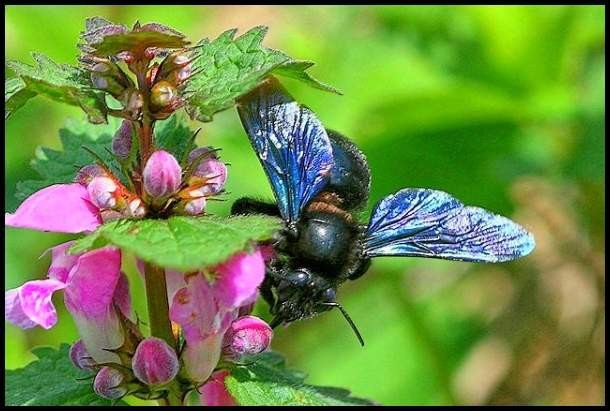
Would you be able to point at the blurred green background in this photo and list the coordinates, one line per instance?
(501, 106)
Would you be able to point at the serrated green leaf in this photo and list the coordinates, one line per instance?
(137, 42)
(229, 67)
(265, 381)
(183, 243)
(59, 82)
(15, 95)
(50, 380)
(297, 69)
(56, 167)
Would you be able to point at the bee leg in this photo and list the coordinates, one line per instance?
(247, 205)
(265, 289)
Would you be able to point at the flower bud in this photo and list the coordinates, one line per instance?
(162, 174)
(155, 362)
(209, 168)
(87, 173)
(101, 192)
(109, 384)
(195, 207)
(107, 76)
(246, 336)
(136, 209)
(163, 94)
(175, 62)
(132, 101)
(122, 141)
(80, 357)
(151, 74)
(179, 76)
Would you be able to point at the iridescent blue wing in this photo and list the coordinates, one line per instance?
(291, 144)
(430, 223)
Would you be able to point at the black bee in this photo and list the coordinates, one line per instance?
(320, 180)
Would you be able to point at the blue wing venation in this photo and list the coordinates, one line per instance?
(291, 144)
(431, 223)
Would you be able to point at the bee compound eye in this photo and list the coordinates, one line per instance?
(328, 295)
(298, 278)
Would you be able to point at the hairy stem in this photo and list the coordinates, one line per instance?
(158, 317)
(158, 307)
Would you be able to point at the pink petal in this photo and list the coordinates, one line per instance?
(201, 357)
(89, 298)
(121, 297)
(61, 261)
(175, 281)
(195, 310)
(33, 301)
(92, 282)
(62, 208)
(239, 279)
(13, 312)
(214, 392)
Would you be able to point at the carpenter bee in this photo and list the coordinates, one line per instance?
(320, 181)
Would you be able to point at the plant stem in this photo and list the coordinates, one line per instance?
(158, 307)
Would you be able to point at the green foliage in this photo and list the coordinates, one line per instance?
(174, 136)
(266, 381)
(56, 167)
(16, 94)
(59, 82)
(139, 40)
(50, 380)
(183, 243)
(451, 98)
(229, 67)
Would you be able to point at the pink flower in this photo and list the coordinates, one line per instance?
(214, 392)
(206, 310)
(248, 335)
(93, 286)
(62, 208)
(162, 174)
(155, 362)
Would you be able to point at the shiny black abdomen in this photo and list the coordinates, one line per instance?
(350, 177)
(325, 242)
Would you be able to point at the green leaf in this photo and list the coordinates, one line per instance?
(50, 380)
(174, 136)
(137, 42)
(296, 69)
(229, 67)
(56, 167)
(266, 381)
(59, 82)
(15, 95)
(183, 243)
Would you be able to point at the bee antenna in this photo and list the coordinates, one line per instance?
(347, 318)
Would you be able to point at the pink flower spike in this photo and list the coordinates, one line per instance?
(214, 392)
(247, 335)
(239, 279)
(61, 208)
(34, 303)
